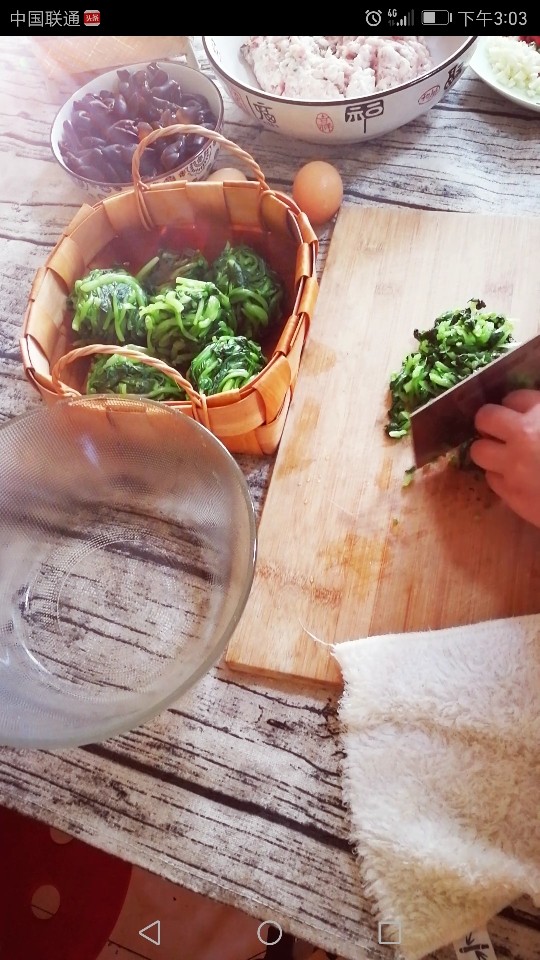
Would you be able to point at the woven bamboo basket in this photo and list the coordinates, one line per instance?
(131, 226)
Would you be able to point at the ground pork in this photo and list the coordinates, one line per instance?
(332, 68)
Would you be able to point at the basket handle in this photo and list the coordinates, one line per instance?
(184, 128)
(101, 348)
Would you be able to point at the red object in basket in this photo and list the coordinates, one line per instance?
(92, 887)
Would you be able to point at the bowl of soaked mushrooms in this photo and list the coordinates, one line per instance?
(95, 133)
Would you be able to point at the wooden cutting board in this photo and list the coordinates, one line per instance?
(345, 550)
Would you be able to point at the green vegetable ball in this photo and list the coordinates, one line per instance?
(161, 272)
(255, 291)
(122, 375)
(107, 305)
(181, 321)
(227, 363)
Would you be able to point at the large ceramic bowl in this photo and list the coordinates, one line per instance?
(199, 154)
(339, 121)
(127, 551)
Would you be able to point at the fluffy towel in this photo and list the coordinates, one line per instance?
(441, 735)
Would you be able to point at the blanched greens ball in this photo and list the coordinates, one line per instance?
(107, 306)
(181, 321)
(123, 375)
(226, 363)
(253, 288)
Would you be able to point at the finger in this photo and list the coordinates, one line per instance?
(496, 482)
(489, 454)
(521, 505)
(522, 400)
(494, 420)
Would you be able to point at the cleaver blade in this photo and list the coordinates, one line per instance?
(448, 420)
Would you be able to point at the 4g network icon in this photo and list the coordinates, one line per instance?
(91, 18)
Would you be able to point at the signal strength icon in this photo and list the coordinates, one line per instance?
(405, 21)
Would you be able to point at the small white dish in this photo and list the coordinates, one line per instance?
(481, 66)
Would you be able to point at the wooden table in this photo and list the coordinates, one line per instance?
(235, 791)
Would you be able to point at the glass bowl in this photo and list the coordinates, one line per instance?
(127, 553)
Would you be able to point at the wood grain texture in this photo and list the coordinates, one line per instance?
(236, 791)
(345, 550)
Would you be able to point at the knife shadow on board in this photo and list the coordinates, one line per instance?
(458, 554)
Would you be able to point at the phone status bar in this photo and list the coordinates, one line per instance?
(439, 20)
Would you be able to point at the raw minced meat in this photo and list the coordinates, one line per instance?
(332, 68)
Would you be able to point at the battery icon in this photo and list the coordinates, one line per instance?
(436, 18)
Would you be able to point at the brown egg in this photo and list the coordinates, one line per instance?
(227, 173)
(318, 191)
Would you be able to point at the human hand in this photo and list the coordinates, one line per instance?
(509, 451)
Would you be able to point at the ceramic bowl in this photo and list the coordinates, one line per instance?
(339, 121)
(482, 66)
(193, 167)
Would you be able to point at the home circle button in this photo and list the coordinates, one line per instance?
(274, 930)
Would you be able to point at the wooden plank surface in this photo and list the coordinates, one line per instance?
(236, 792)
(345, 550)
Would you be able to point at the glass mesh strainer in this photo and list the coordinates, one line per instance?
(127, 553)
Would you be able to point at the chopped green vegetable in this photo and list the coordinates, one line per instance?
(227, 363)
(107, 305)
(162, 271)
(253, 288)
(408, 476)
(122, 375)
(180, 322)
(460, 342)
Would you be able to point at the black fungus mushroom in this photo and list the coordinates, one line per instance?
(145, 100)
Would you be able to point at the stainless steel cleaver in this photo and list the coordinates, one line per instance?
(448, 420)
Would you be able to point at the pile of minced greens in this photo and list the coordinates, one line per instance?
(460, 342)
(204, 319)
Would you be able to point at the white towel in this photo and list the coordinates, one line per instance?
(441, 734)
